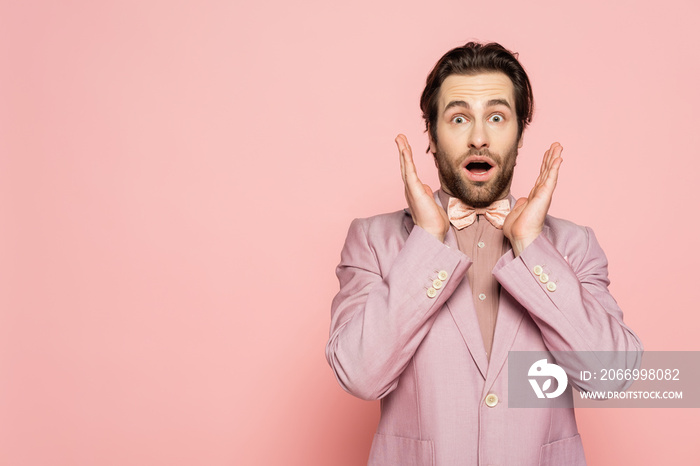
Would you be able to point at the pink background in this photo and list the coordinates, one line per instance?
(177, 178)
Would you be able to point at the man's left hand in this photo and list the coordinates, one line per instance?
(525, 221)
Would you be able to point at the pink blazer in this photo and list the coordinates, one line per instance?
(442, 402)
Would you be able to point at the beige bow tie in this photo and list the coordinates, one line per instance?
(461, 215)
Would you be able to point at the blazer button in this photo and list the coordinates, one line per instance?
(442, 275)
(491, 400)
(431, 292)
(437, 283)
(537, 269)
(551, 286)
(544, 278)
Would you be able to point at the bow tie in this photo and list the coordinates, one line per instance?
(461, 215)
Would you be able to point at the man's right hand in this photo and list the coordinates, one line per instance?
(426, 213)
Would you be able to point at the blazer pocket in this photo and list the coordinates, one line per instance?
(389, 450)
(568, 451)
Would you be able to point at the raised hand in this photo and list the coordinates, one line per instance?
(526, 219)
(426, 213)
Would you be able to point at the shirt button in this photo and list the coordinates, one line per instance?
(537, 269)
(442, 275)
(437, 283)
(544, 278)
(551, 286)
(431, 292)
(491, 400)
(480, 244)
(482, 296)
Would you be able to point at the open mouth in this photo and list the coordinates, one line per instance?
(479, 167)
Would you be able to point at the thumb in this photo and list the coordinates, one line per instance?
(519, 203)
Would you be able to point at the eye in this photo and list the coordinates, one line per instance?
(459, 119)
(496, 119)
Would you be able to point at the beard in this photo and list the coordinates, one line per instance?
(477, 194)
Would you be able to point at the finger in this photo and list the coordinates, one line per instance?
(555, 161)
(519, 203)
(400, 144)
(555, 151)
(412, 184)
(534, 189)
(541, 176)
(543, 167)
(553, 176)
(549, 157)
(550, 182)
(409, 165)
(545, 164)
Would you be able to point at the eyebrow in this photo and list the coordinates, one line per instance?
(490, 103)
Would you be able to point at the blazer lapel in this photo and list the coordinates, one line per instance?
(461, 307)
(510, 316)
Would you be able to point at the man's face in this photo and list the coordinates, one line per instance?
(477, 137)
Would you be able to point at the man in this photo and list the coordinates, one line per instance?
(433, 298)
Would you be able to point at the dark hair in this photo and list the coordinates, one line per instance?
(470, 59)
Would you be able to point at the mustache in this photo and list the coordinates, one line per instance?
(480, 153)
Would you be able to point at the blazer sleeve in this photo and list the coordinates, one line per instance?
(569, 301)
(383, 309)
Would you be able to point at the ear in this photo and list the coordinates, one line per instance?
(520, 141)
(432, 147)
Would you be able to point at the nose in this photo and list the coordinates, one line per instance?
(478, 138)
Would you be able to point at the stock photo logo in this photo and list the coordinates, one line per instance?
(543, 369)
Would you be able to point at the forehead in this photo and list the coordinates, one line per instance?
(475, 89)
